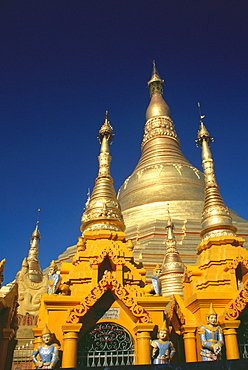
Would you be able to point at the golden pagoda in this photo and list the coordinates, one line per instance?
(163, 175)
(104, 311)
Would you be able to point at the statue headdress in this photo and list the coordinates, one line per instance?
(45, 330)
(211, 311)
(164, 327)
(54, 265)
(158, 267)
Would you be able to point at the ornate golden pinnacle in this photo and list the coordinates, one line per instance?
(36, 232)
(103, 210)
(203, 134)
(106, 130)
(216, 219)
(156, 84)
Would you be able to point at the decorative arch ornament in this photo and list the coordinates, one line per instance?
(238, 304)
(108, 282)
(111, 253)
(232, 265)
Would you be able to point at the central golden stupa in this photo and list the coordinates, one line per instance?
(163, 179)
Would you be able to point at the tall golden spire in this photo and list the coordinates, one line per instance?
(34, 270)
(163, 174)
(216, 219)
(159, 132)
(172, 267)
(103, 210)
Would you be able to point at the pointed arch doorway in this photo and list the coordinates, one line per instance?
(106, 344)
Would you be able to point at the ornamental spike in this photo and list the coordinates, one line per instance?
(216, 219)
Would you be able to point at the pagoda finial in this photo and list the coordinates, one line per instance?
(36, 233)
(106, 130)
(154, 67)
(103, 210)
(200, 114)
(35, 273)
(216, 219)
(156, 84)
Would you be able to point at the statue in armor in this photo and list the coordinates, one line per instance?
(46, 355)
(162, 348)
(155, 280)
(211, 338)
(53, 278)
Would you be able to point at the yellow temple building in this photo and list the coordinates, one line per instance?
(110, 295)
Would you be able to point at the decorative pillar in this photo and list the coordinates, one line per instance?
(231, 341)
(37, 341)
(5, 337)
(143, 347)
(70, 340)
(189, 341)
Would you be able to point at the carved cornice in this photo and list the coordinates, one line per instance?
(108, 282)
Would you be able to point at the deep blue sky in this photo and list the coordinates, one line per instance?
(63, 63)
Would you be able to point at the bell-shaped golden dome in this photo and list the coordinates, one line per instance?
(162, 174)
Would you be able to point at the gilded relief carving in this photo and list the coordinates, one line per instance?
(159, 126)
(232, 265)
(237, 305)
(108, 251)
